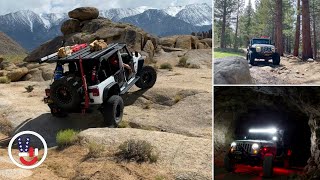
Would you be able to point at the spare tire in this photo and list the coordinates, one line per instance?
(67, 93)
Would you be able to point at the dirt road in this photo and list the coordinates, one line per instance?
(290, 71)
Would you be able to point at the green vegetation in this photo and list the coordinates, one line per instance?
(4, 80)
(220, 53)
(5, 126)
(138, 151)
(67, 138)
(166, 66)
(29, 88)
(182, 62)
(124, 124)
(95, 150)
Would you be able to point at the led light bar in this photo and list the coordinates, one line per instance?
(267, 130)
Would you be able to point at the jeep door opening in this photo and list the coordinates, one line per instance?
(87, 80)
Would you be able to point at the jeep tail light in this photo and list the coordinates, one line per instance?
(289, 152)
(47, 92)
(95, 92)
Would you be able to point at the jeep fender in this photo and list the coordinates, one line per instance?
(111, 89)
(140, 66)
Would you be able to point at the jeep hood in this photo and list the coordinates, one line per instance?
(263, 45)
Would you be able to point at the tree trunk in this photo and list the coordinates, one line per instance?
(306, 33)
(297, 35)
(223, 29)
(237, 27)
(278, 20)
(314, 32)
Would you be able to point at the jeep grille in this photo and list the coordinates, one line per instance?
(245, 146)
(266, 49)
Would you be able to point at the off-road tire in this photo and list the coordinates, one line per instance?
(112, 111)
(276, 59)
(148, 77)
(268, 166)
(228, 164)
(252, 58)
(72, 97)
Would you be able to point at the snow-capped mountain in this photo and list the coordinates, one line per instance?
(31, 30)
(196, 14)
(160, 23)
(116, 14)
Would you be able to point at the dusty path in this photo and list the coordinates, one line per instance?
(291, 71)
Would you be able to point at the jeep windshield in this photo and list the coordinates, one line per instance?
(260, 41)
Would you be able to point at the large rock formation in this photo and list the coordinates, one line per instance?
(84, 13)
(231, 70)
(184, 42)
(85, 27)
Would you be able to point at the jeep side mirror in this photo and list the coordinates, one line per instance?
(136, 54)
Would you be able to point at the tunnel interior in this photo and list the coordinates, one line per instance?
(291, 120)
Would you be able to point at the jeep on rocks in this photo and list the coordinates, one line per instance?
(262, 48)
(86, 80)
(261, 147)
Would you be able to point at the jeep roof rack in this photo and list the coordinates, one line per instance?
(85, 54)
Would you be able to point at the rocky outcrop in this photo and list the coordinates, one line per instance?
(184, 42)
(149, 48)
(11, 71)
(84, 13)
(70, 26)
(1, 59)
(87, 27)
(231, 70)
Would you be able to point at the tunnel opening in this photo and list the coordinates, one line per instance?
(292, 121)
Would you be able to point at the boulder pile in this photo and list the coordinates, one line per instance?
(85, 26)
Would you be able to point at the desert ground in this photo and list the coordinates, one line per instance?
(175, 116)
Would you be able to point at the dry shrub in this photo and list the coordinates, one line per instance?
(137, 150)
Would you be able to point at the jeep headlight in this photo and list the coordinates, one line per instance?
(255, 146)
(233, 144)
(258, 49)
(273, 49)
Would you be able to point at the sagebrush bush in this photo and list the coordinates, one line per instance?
(138, 151)
(5, 126)
(166, 66)
(95, 150)
(4, 80)
(67, 137)
(182, 62)
(29, 88)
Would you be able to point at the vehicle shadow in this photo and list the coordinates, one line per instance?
(131, 97)
(48, 126)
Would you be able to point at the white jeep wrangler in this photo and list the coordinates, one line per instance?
(87, 80)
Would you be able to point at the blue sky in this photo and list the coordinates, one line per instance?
(48, 6)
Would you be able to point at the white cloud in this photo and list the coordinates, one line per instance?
(67, 5)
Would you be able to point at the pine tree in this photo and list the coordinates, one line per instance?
(306, 33)
(278, 21)
(297, 35)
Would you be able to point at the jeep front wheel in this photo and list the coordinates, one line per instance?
(148, 77)
(252, 58)
(228, 164)
(112, 111)
(268, 166)
(276, 59)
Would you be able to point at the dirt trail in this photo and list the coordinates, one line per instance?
(291, 71)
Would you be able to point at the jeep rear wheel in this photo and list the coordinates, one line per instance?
(268, 166)
(66, 93)
(276, 59)
(112, 111)
(228, 164)
(252, 58)
(148, 77)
